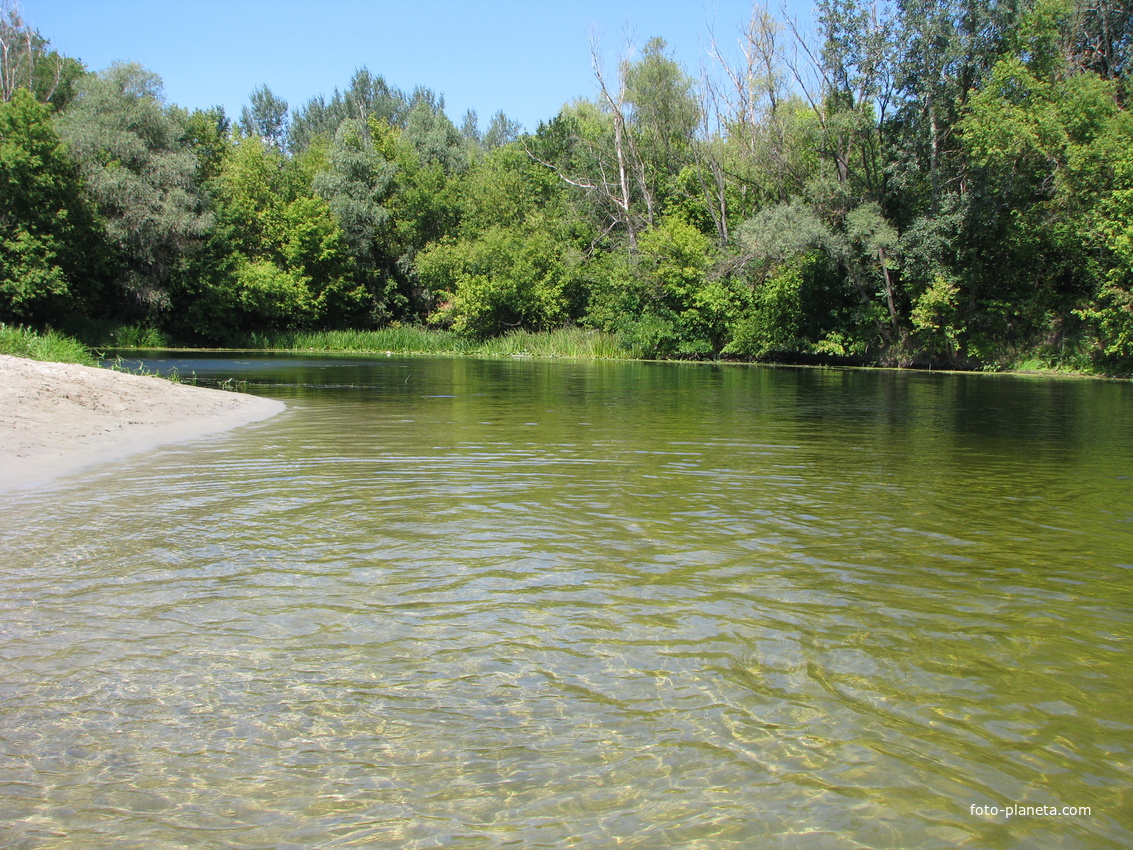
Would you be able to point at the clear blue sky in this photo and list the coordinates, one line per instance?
(526, 58)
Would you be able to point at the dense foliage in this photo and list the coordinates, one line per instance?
(935, 182)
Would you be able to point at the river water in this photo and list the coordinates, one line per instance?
(514, 603)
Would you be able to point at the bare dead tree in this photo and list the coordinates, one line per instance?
(616, 174)
(22, 55)
(744, 97)
(709, 164)
(758, 77)
(621, 198)
(850, 89)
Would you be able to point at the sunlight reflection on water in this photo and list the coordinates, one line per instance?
(686, 607)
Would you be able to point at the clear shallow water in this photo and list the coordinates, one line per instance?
(517, 603)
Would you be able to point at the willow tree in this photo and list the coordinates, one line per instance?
(142, 174)
(357, 184)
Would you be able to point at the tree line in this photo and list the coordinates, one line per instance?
(930, 181)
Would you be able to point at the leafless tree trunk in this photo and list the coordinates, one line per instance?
(742, 98)
(629, 162)
(619, 181)
(21, 49)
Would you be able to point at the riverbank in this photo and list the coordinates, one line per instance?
(586, 344)
(59, 418)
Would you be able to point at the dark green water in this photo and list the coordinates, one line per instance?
(527, 604)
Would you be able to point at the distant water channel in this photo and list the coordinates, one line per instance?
(515, 603)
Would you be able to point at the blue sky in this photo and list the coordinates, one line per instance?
(526, 58)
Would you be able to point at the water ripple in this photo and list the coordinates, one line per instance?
(382, 622)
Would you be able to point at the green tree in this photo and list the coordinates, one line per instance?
(1110, 311)
(357, 185)
(501, 131)
(797, 305)
(290, 264)
(664, 115)
(367, 98)
(629, 147)
(773, 322)
(855, 97)
(49, 248)
(499, 281)
(1048, 143)
(515, 259)
(143, 177)
(432, 136)
(431, 158)
(662, 299)
(265, 116)
(585, 149)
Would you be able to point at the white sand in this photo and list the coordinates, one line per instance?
(57, 418)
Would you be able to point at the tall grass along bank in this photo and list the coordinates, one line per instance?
(47, 346)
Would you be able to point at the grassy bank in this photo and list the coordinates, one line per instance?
(582, 343)
(563, 342)
(578, 343)
(49, 345)
(399, 339)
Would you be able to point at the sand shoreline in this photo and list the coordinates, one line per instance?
(59, 418)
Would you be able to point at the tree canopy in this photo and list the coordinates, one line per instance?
(941, 182)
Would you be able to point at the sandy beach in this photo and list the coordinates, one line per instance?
(59, 418)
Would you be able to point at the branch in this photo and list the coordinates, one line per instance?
(579, 183)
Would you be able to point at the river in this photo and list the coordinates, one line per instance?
(517, 603)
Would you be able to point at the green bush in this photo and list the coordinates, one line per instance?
(773, 323)
(498, 282)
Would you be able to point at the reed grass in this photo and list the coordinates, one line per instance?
(406, 339)
(48, 346)
(403, 339)
(103, 334)
(578, 343)
(137, 336)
